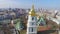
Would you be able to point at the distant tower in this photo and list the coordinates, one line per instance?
(32, 25)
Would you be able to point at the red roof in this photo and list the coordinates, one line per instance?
(43, 28)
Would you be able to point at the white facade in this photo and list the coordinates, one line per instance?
(32, 25)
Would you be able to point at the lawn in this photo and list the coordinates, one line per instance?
(23, 32)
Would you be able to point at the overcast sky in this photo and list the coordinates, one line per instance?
(28, 3)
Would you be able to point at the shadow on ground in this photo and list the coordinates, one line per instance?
(47, 32)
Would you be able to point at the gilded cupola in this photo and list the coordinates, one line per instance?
(32, 11)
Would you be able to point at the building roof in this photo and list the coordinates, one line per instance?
(49, 26)
(41, 20)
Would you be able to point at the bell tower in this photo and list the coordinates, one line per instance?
(32, 22)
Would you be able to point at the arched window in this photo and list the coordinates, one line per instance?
(32, 30)
(32, 18)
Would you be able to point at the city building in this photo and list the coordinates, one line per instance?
(32, 25)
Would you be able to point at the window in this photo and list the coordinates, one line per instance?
(32, 18)
(32, 30)
(32, 23)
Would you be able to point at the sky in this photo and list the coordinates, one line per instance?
(28, 3)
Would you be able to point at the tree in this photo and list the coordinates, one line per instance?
(19, 25)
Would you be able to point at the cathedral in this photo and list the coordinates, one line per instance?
(33, 22)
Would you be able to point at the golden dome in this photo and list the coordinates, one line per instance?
(32, 12)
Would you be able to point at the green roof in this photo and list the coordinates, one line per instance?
(41, 21)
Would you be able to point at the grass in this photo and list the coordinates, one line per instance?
(23, 32)
(45, 32)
